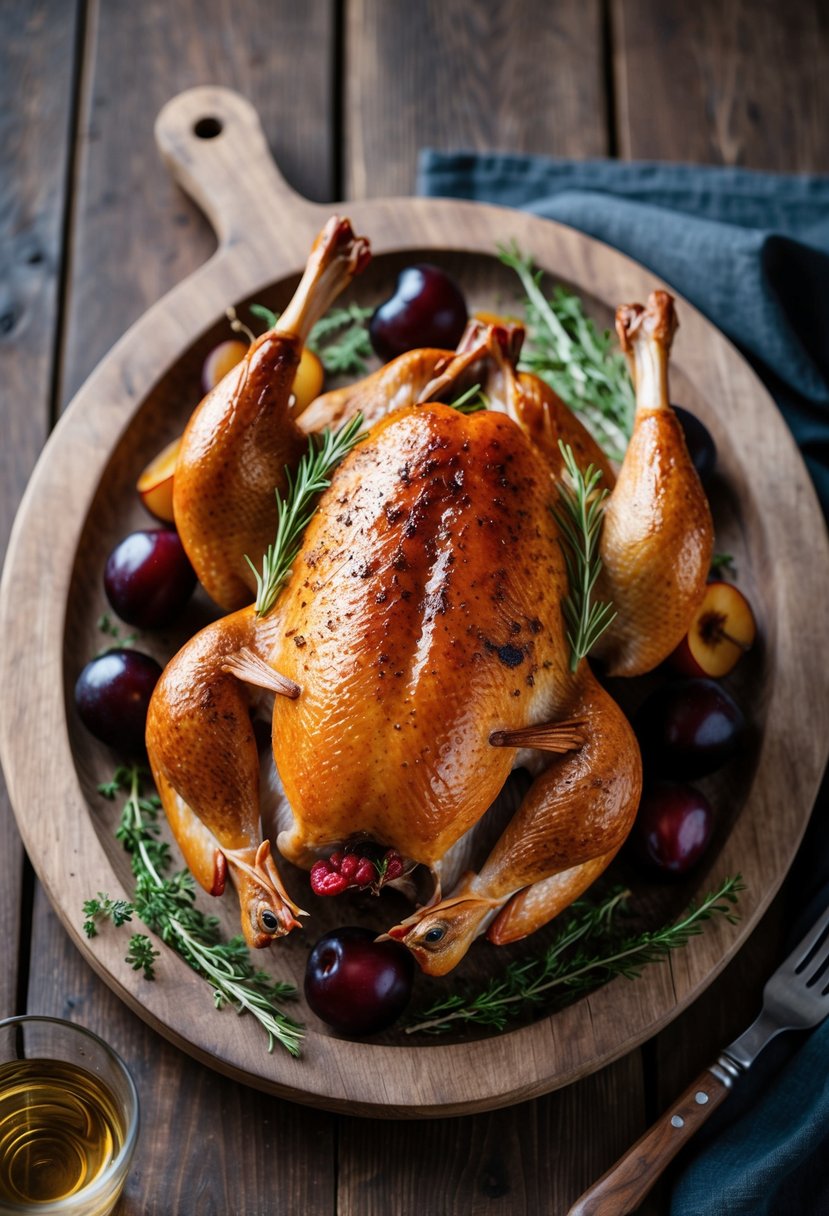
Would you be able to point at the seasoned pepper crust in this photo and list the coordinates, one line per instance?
(423, 612)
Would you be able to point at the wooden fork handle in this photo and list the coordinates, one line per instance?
(626, 1183)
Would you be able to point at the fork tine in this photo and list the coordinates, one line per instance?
(818, 965)
(800, 956)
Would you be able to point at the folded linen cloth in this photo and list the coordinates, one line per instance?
(751, 251)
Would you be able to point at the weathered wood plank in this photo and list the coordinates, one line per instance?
(537, 1157)
(494, 76)
(36, 49)
(735, 82)
(207, 1145)
(136, 234)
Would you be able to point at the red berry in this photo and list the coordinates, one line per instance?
(349, 867)
(325, 881)
(365, 872)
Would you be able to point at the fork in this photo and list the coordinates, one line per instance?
(796, 997)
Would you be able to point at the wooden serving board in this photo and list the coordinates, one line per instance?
(81, 500)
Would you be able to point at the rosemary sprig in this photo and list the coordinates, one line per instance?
(166, 905)
(340, 338)
(580, 519)
(582, 365)
(294, 511)
(601, 956)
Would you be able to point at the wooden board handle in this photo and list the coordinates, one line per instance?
(626, 1183)
(213, 144)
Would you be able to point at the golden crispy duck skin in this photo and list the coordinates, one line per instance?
(657, 537)
(239, 441)
(418, 652)
(205, 764)
(417, 376)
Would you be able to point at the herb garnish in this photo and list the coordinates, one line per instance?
(580, 519)
(723, 562)
(565, 348)
(108, 626)
(602, 954)
(167, 907)
(295, 511)
(471, 402)
(340, 338)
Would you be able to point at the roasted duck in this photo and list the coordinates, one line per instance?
(418, 651)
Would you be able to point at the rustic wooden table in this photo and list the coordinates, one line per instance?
(93, 232)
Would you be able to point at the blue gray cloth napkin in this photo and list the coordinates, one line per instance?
(751, 251)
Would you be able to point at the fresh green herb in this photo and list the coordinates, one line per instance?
(119, 911)
(588, 951)
(723, 563)
(582, 365)
(108, 626)
(265, 314)
(142, 954)
(580, 519)
(294, 511)
(472, 401)
(166, 905)
(340, 338)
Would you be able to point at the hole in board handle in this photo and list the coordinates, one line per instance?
(207, 128)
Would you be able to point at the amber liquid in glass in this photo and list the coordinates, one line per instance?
(60, 1128)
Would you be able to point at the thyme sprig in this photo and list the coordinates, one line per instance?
(166, 905)
(295, 510)
(580, 363)
(588, 951)
(340, 338)
(580, 518)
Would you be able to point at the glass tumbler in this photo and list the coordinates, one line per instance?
(68, 1119)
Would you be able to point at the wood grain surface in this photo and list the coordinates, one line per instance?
(394, 1162)
(475, 78)
(34, 67)
(731, 82)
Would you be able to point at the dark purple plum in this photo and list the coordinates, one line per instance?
(700, 444)
(672, 829)
(356, 984)
(427, 309)
(112, 695)
(688, 728)
(148, 578)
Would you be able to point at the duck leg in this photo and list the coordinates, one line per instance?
(574, 818)
(205, 763)
(240, 440)
(657, 536)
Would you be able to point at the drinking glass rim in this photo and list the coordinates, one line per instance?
(130, 1135)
